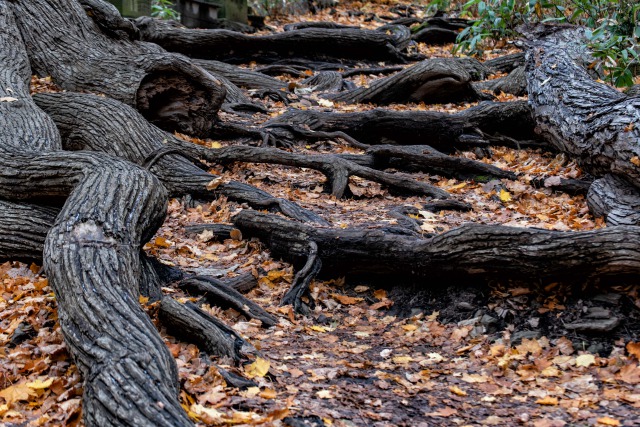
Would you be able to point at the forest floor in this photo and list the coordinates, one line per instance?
(371, 353)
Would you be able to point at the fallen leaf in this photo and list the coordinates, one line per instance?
(40, 384)
(17, 392)
(550, 401)
(8, 99)
(345, 299)
(608, 421)
(504, 195)
(259, 368)
(633, 348)
(585, 360)
(457, 391)
(268, 393)
(324, 394)
(236, 234)
(444, 412)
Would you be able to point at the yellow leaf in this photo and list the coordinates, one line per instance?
(551, 401)
(259, 368)
(143, 300)
(607, 421)
(346, 300)
(505, 196)
(16, 392)
(457, 391)
(585, 360)
(39, 384)
(318, 328)
(215, 144)
(636, 161)
(409, 328)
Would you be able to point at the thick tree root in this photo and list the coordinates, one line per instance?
(515, 83)
(64, 43)
(367, 45)
(84, 119)
(432, 81)
(476, 126)
(480, 251)
(190, 323)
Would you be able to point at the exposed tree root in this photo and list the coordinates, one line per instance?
(349, 43)
(84, 119)
(64, 43)
(432, 81)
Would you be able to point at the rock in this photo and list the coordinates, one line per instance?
(609, 298)
(517, 337)
(594, 326)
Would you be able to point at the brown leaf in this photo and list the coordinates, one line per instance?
(444, 412)
(346, 300)
(633, 348)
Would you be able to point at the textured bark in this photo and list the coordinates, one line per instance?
(432, 81)
(614, 199)
(475, 126)
(483, 251)
(23, 228)
(590, 121)
(515, 83)
(66, 44)
(241, 77)
(369, 45)
(84, 119)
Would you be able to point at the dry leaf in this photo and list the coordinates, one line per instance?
(40, 384)
(324, 394)
(550, 401)
(236, 234)
(346, 300)
(457, 391)
(17, 392)
(8, 99)
(607, 421)
(259, 368)
(444, 412)
(633, 348)
(585, 360)
(504, 195)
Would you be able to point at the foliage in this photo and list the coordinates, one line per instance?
(613, 36)
(163, 9)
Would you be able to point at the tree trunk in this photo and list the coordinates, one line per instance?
(66, 44)
(590, 121)
(313, 43)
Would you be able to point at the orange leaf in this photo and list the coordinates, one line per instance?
(346, 300)
(607, 421)
(551, 401)
(634, 349)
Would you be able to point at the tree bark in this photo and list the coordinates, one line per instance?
(66, 44)
(590, 121)
(84, 119)
(482, 251)
(432, 81)
(312, 43)
(445, 132)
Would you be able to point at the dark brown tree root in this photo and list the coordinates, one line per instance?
(476, 126)
(336, 169)
(220, 294)
(432, 81)
(84, 119)
(480, 251)
(369, 45)
(190, 323)
(166, 88)
(302, 280)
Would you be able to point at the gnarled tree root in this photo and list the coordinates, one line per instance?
(480, 251)
(66, 44)
(84, 119)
